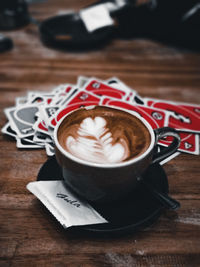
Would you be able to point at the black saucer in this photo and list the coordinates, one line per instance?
(138, 210)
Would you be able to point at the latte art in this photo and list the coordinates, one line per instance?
(93, 141)
(103, 135)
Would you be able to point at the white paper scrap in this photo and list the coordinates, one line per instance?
(63, 204)
(96, 17)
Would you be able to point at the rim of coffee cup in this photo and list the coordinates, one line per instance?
(105, 165)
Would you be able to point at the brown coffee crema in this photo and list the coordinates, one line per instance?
(103, 135)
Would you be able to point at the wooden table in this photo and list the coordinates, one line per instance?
(29, 235)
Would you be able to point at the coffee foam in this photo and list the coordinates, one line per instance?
(103, 135)
(94, 142)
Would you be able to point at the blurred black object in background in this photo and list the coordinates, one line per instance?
(5, 43)
(175, 22)
(13, 14)
(68, 32)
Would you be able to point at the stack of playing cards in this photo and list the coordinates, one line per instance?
(32, 120)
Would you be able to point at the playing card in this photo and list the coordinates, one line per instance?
(25, 143)
(80, 99)
(21, 143)
(49, 150)
(21, 119)
(156, 118)
(68, 96)
(48, 111)
(8, 130)
(183, 116)
(40, 126)
(195, 109)
(81, 81)
(21, 100)
(41, 138)
(34, 97)
(40, 99)
(189, 142)
(102, 89)
(61, 94)
(132, 95)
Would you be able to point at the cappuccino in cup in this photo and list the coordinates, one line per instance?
(103, 135)
(103, 150)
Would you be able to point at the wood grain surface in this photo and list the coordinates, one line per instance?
(29, 235)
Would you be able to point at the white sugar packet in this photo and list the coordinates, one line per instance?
(96, 17)
(67, 208)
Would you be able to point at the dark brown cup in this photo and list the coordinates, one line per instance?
(108, 182)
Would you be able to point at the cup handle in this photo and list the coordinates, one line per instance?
(163, 132)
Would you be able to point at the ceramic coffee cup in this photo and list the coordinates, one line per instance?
(103, 150)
